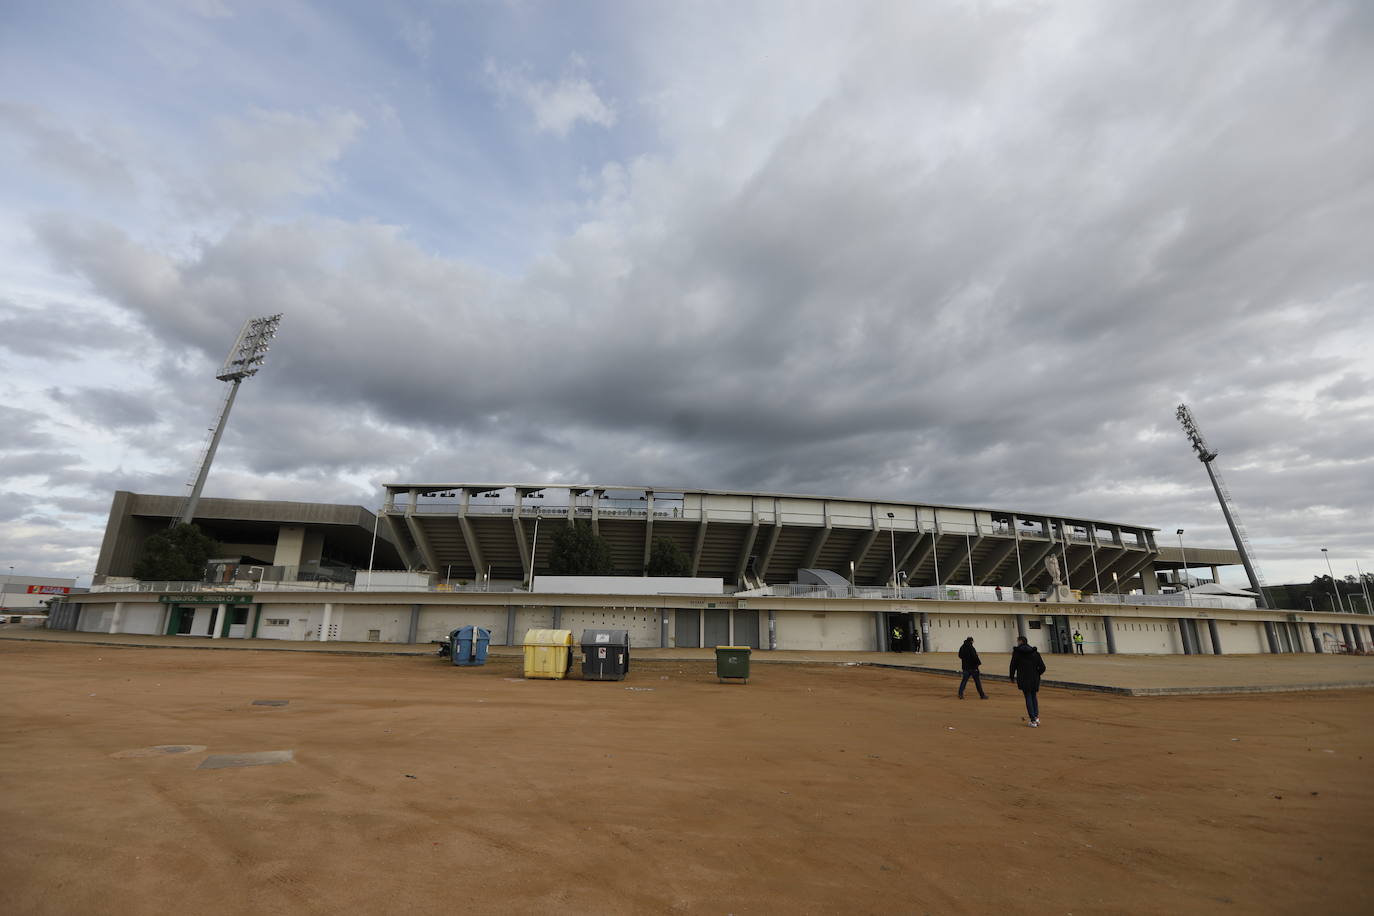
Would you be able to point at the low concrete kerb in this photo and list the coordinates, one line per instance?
(1144, 691)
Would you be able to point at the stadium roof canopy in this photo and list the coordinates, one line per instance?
(471, 530)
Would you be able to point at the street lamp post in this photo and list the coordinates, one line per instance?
(892, 537)
(1183, 577)
(1336, 587)
(1364, 586)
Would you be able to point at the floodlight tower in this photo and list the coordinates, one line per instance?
(245, 358)
(1207, 455)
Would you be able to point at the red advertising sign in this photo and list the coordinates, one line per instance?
(49, 590)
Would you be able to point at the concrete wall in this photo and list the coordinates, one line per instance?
(1148, 636)
(991, 633)
(301, 619)
(391, 621)
(643, 623)
(1241, 638)
(842, 631)
(438, 622)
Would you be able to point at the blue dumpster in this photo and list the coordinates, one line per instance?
(470, 645)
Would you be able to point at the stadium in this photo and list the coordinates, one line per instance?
(767, 570)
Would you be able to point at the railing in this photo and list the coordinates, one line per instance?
(530, 511)
(919, 593)
(238, 587)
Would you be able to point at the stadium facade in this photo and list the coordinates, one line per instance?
(769, 570)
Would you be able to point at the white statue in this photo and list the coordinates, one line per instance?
(1052, 567)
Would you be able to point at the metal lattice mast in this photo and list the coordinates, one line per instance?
(1207, 456)
(245, 358)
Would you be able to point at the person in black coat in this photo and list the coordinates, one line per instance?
(970, 662)
(1026, 668)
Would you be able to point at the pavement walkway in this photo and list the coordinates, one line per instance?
(1132, 675)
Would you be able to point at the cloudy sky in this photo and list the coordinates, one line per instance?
(968, 253)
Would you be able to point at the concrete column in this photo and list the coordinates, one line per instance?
(117, 618)
(1316, 638)
(558, 618)
(925, 632)
(413, 636)
(772, 629)
(254, 611)
(328, 619)
(1295, 635)
(1272, 637)
(663, 628)
(1107, 627)
(510, 625)
(1183, 636)
(1020, 624)
(1359, 640)
(879, 632)
(1216, 638)
(217, 621)
(1345, 634)
(1216, 577)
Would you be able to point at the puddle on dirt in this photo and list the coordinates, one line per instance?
(254, 759)
(159, 750)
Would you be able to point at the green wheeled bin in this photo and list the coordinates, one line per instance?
(732, 662)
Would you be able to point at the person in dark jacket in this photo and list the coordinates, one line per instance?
(970, 662)
(1026, 668)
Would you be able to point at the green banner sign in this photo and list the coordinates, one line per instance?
(221, 598)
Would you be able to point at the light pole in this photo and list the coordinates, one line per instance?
(1339, 603)
(968, 548)
(533, 548)
(892, 537)
(1183, 577)
(245, 358)
(1116, 585)
(1364, 586)
(4, 592)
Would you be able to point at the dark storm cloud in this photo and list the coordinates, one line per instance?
(23, 429)
(110, 408)
(974, 256)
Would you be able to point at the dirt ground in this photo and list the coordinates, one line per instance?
(418, 787)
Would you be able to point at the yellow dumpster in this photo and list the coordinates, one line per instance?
(548, 653)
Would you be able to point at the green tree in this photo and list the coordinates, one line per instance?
(179, 553)
(668, 559)
(577, 551)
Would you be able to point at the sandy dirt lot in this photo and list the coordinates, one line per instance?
(417, 787)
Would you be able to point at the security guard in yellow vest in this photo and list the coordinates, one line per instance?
(1078, 642)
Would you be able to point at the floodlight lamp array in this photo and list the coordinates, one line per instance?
(249, 351)
(1185, 417)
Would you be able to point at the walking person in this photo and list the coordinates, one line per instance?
(1026, 668)
(970, 662)
(1078, 642)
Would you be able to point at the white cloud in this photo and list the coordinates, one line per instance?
(556, 106)
(268, 155)
(418, 35)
